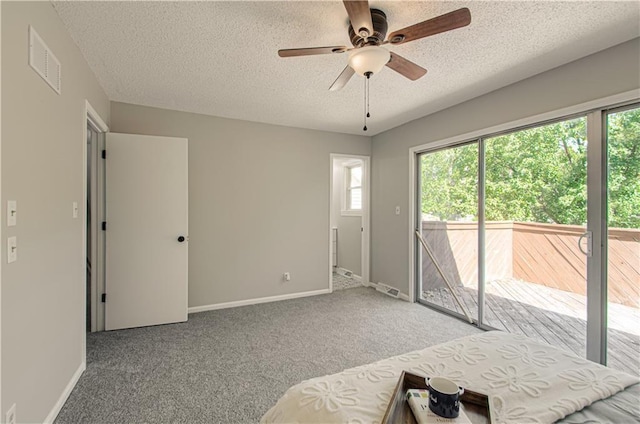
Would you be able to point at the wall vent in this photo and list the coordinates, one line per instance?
(388, 290)
(43, 61)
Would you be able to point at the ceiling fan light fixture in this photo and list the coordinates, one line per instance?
(369, 59)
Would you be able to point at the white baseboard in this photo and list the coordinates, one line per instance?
(256, 301)
(65, 394)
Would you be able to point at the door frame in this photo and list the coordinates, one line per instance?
(91, 117)
(596, 265)
(366, 215)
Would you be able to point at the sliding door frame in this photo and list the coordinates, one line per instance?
(415, 223)
(595, 112)
(598, 224)
(597, 228)
(482, 231)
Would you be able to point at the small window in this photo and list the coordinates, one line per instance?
(353, 189)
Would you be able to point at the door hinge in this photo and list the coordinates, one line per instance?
(104, 154)
(104, 225)
(104, 297)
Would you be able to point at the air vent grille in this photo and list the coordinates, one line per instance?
(43, 61)
(391, 291)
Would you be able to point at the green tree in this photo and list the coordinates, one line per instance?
(449, 181)
(536, 175)
(623, 129)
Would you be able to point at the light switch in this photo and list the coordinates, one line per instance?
(75, 209)
(397, 210)
(12, 213)
(12, 249)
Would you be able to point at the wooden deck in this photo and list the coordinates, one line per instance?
(550, 315)
(545, 254)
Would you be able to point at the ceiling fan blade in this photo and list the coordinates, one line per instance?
(360, 16)
(311, 51)
(452, 20)
(405, 67)
(342, 79)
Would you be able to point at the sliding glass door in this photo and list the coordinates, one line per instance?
(623, 253)
(448, 229)
(512, 230)
(535, 214)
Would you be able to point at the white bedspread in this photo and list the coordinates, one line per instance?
(528, 382)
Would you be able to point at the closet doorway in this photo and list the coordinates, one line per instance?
(94, 239)
(349, 222)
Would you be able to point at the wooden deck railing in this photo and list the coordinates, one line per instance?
(545, 254)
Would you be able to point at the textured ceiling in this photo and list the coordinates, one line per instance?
(220, 58)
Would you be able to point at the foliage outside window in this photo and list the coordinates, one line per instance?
(536, 175)
(624, 169)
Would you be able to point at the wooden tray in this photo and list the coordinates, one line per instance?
(476, 405)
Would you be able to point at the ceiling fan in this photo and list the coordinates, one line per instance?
(367, 31)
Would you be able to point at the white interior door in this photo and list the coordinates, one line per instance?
(147, 216)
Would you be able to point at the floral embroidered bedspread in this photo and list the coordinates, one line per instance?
(527, 381)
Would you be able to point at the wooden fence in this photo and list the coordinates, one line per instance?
(545, 254)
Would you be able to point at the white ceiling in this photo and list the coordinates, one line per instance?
(220, 58)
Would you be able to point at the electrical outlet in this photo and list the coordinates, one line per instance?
(10, 418)
(286, 276)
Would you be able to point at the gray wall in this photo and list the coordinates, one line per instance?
(43, 308)
(349, 227)
(258, 201)
(608, 72)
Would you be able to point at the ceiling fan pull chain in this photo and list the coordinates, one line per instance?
(368, 95)
(365, 106)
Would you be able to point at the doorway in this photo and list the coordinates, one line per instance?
(92, 145)
(93, 246)
(349, 222)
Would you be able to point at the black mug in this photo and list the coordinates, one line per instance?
(444, 397)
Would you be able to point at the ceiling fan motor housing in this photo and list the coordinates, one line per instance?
(380, 26)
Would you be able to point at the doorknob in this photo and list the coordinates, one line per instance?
(181, 239)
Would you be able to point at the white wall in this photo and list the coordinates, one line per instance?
(612, 71)
(349, 227)
(43, 307)
(258, 201)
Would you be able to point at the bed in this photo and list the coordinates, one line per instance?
(527, 382)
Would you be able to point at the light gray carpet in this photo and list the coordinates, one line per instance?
(232, 365)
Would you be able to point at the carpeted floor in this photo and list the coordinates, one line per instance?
(232, 365)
